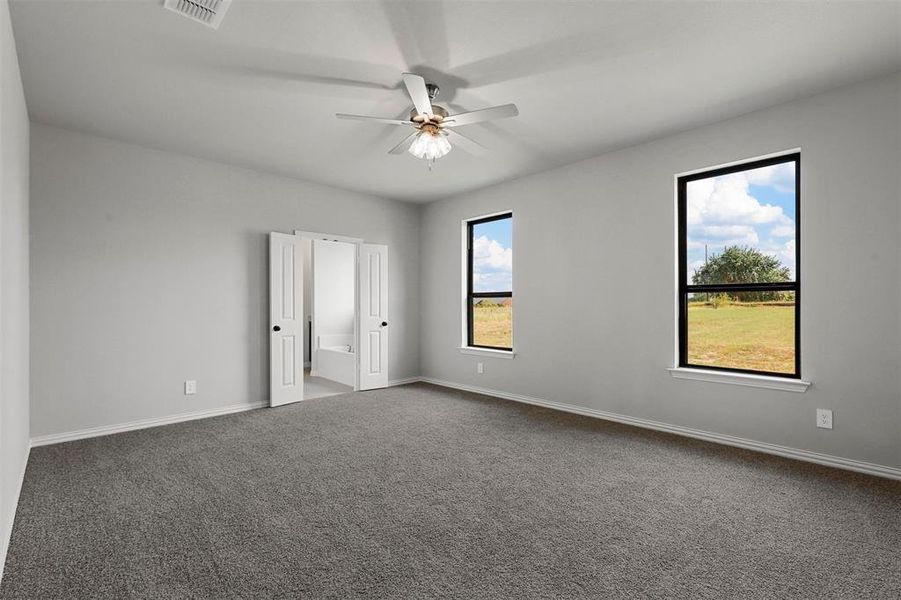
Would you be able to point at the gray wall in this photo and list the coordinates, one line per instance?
(13, 280)
(595, 326)
(150, 268)
(334, 287)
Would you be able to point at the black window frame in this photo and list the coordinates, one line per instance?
(685, 288)
(470, 295)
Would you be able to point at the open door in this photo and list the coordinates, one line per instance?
(373, 350)
(286, 319)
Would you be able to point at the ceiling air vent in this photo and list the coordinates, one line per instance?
(208, 12)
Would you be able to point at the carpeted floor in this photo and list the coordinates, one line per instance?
(423, 492)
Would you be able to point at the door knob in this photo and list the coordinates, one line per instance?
(384, 323)
(276, 328)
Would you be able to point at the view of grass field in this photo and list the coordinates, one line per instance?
(493, 323)
(743, 335)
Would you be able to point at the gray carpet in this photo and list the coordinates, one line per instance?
(422, 492)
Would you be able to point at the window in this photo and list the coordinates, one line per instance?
(739, 291)
(489, 285)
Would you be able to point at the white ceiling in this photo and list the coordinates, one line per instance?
(588, 77)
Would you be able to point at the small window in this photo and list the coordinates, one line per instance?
(739, 291)
(489, 286)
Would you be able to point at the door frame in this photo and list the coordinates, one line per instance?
(314, 235)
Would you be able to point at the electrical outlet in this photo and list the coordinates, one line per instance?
(824, 418)
(480, 368)
(190, 387)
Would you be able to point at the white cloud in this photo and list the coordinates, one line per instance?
(728, 231)
(727, 200)
(718, 237)
(783, 230)
(491, 254)
(781, 176)
(787, 256)
(492, 265)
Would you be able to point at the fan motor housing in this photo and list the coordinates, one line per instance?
(438, 114)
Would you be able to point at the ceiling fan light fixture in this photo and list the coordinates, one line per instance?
(432, 125)
(430, 145)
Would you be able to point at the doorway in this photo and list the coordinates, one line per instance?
(327, 294)
(329, 288)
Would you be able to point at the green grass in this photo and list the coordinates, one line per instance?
(492, 325)
(757, 336)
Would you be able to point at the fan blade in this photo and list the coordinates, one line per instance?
(485, 114)
(376, 119)
(464, 143)
(404, 144)
(418, 94)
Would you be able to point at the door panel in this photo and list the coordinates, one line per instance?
(286, 319)
(373, 316)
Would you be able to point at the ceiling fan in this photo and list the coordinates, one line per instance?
(434, 129)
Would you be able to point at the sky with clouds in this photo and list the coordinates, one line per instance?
(753, 208)
(492, 256)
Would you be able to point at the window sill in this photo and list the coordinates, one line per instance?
(759, 381)
(508, 354)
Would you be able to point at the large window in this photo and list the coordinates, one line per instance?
(489, 282)
(739, 291)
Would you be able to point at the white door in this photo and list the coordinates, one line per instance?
(373, 316)
(285, 319)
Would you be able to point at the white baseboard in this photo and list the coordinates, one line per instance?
(404, 381)
(69, 436)
(81, 434)
(6, 536)
(785, 451)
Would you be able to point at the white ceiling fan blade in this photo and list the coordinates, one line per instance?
(404, 144)
(376, 119)
(486, 114)
(418, 93)
(464, 143)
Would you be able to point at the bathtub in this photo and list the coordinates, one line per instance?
(336, 361)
